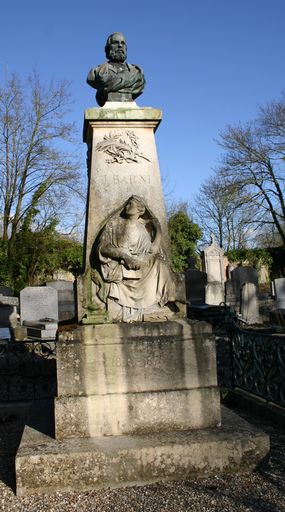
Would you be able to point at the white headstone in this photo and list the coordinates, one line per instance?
(215, 294)
(38, 303)
(213, 262)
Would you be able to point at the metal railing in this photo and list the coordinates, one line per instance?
(258, 361)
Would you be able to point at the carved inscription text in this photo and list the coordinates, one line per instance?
(132, 179)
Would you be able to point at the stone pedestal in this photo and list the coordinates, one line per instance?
(131, 379)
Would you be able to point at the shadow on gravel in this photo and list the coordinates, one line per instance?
(38, 415)
(11, 430)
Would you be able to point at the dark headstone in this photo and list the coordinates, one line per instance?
(195, 282)
(242, 275)
(66, 304)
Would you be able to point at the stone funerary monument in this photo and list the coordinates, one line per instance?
(136, 381)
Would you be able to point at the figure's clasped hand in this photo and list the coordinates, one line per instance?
(131, 263)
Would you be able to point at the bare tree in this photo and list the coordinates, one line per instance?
(254, 163)
(223, 211)
(37, 160)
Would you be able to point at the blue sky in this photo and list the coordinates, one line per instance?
(207, 63)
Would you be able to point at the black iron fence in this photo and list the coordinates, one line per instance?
(258, 362)
(27, 370)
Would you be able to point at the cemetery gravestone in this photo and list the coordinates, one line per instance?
(279, 292)
(239, 277)
(242, 275)
(213, 265)
(231, 298)
(213, 262)
(66, 303)
(195, 283)
(38, 303)
(39, 311)
(249, 304)
(215, 294)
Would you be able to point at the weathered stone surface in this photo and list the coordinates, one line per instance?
(44, 465)
(137, 413)
(38, 303)
(136, 364)
(136, 378)
(249, 304)
(120, 112)
(7, 300)
(215, 293)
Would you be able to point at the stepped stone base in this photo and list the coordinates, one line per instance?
(44, 465)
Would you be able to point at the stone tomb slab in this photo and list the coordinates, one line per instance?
(44, 465)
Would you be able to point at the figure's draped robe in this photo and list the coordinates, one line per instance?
(136, 291)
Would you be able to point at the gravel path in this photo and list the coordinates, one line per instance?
(263, 490)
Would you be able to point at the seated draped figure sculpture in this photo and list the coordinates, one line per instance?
(136, 280)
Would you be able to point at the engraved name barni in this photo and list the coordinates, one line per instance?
(121, 147)
(132, 179)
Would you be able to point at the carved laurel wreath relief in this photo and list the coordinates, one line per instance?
(121, 147)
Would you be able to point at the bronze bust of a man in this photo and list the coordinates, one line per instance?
(116, 80)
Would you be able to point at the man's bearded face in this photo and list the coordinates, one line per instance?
(117, 51)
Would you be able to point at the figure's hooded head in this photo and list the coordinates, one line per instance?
(116, 47)
(134, 206)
